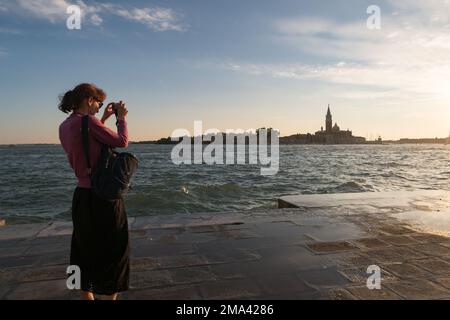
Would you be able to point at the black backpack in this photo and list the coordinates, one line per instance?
(111, 178)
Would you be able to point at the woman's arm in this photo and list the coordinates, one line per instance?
(106, 136)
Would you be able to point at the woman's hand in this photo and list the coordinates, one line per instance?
(108, 112)
(122, 111)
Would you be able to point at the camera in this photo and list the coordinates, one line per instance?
(115, 107)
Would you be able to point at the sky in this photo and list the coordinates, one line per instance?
(233, 64)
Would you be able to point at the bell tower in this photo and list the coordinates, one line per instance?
(328, 121)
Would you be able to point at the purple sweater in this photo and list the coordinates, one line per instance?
(70, 137)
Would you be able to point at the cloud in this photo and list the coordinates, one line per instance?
(51, 10)
(96, 20)
(409, 57)
(423, 83)
(155, 18)
(399, 38)
(304, 26)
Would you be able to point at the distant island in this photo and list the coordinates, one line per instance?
(331, 135)
(419, 141)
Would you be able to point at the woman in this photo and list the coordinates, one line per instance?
(100, 230)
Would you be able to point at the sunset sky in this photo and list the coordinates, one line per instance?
(232, 64)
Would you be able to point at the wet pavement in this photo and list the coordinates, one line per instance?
(319, 250)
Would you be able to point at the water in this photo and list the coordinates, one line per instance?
(37, 183)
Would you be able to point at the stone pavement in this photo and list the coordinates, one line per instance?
(319, 250)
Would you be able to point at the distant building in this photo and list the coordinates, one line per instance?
(334, 134)
(331, 135)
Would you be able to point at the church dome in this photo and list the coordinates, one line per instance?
(336, 127)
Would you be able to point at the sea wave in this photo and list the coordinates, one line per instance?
(160, 187)
(352, 186)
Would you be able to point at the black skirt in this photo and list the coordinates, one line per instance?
(100, 242)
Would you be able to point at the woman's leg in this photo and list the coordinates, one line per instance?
(112, 242)
(86, 295)
(80, 254)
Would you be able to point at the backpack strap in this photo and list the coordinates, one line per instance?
(85, 140)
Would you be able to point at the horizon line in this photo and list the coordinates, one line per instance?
(140, 141)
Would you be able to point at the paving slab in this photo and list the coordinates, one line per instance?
(183, 292)
(230, 289)
(150, 279)
(419, 289)
(319, 248)
(362, 293)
